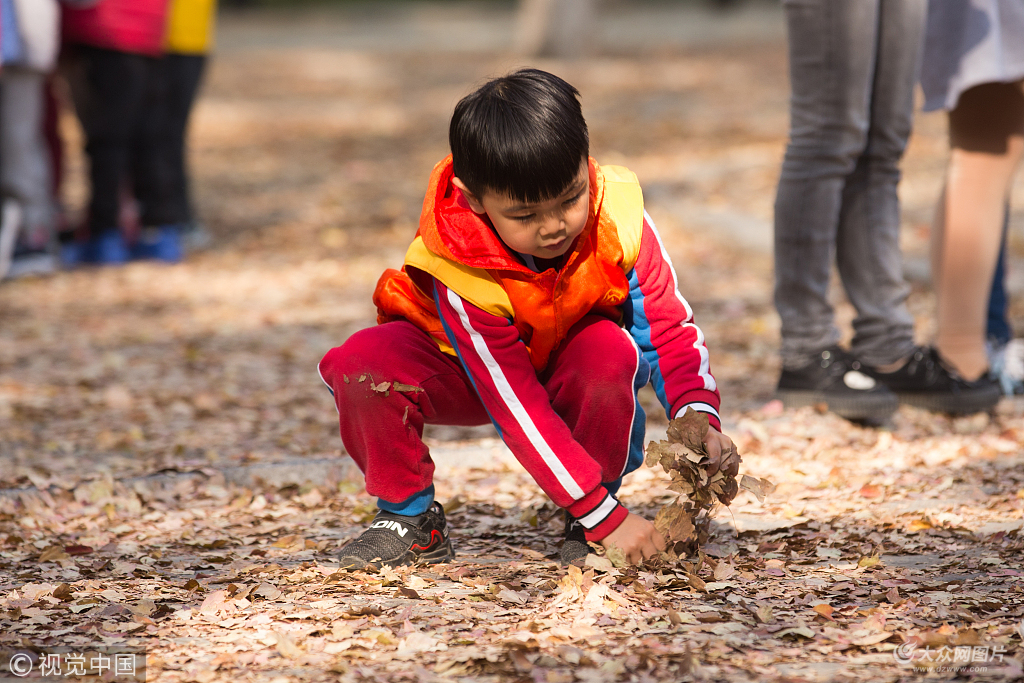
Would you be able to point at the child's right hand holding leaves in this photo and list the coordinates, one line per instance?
(636, 538)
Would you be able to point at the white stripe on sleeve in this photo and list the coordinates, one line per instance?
(700, 408)
(600, 513)
(514, 405)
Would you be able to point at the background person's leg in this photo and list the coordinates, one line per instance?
(832, 65)
(25, 176)
(868, 243)
(149, 181)
(987, 140)
(1004, 358)
(108, 88)
(183, 79)
(832, 52)
(998, 330)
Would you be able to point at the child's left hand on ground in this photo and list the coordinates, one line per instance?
(637, 538)
(722, 454)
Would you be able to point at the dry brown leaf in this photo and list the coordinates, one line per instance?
(617, 556)
(686, 521)
(824, 610)
(723, 571)
(268, 591)
(869, 561)
(213, 603)
(63, 593)
(54, 553)
(286, 646)
(759, 487)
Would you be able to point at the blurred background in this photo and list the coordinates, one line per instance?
(314, 130)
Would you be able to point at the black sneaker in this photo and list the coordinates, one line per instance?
(398, 540)
(836, 379)
(926, 381)
(575, 546)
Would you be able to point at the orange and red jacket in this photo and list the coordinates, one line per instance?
(455, 245)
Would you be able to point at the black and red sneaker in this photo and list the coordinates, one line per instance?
(575, 547)
(398, 540)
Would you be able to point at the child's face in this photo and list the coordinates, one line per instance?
(543, 229)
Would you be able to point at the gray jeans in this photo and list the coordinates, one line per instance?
(853, 67)
(24, 156)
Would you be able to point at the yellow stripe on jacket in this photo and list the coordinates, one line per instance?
(473, 284)
(190, 26)
(624, 202)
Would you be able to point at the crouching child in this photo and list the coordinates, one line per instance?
(536, 295)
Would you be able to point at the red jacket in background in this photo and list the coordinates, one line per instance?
(136, 26)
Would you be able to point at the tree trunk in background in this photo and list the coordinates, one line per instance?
(555, 28)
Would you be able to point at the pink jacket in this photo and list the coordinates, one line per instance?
(136, 26)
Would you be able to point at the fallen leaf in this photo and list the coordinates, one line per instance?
(268, 591)
(919, 525)
(824, 610)
(761, 488)
(63, 592)
(723, 571)
(869, 561)
(866, 639)
(74, 550)
(213, 603)
(54, 553)
(870, 491)
(286, 646)
(801, 631)
(601, 564)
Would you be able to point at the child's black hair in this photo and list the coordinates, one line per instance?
(522, 135)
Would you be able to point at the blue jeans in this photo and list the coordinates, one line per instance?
(998, 328)
(853, 67)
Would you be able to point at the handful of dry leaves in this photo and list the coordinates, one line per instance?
(686, 522)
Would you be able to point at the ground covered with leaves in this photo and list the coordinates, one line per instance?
(132, 398)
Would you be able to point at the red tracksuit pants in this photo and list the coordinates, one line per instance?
(382, 429)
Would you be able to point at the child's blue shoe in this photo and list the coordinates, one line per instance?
(162, 244)
(108, 248)
(72, 254)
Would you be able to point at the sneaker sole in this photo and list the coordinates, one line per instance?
(872, 409)
(444, 553)
(963, 404)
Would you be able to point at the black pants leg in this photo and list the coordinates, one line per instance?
(159, 163)
(108, 88)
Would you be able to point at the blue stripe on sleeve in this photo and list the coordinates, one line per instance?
(640, 329)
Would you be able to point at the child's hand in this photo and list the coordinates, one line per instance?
(636, 538)
(722, 454)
